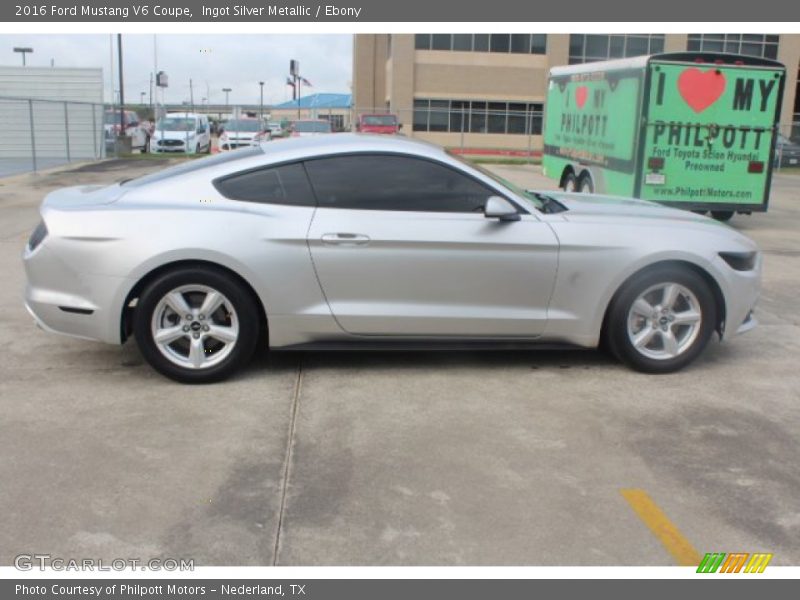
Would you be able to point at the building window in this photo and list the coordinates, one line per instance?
(474, 116)
(585, 48)
(504, 43)
(761, 45)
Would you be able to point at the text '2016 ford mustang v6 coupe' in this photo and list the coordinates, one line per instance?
(358, 241)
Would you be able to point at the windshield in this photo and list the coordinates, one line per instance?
(177, 124)
(243, 125)
(312, 127)
(522, 193)
(384, 120)
(194, 165)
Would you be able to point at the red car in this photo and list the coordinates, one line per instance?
(386, 124)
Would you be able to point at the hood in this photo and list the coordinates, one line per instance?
(379, 129)
(241, 135)
(166, 134)
(588, 205)
(82, 196)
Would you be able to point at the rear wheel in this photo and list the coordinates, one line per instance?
(585, 185)
(570, 183)
(661, 319)
(722, 215)
(196, 325)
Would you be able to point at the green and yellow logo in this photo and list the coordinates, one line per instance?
(734, 562)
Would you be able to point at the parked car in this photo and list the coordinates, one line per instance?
(385, 124)
(275, 129)
(349, 241)
(138, 131)
(243, 132)
(309, 127)
(787, 152)
(189, 133)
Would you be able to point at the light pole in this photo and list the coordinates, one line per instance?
(261, 104)
(227, 91)
(141, 99)
(23, 51)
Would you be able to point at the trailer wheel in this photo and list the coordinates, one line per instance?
(585, 185)
(570, 183)
(722, 215)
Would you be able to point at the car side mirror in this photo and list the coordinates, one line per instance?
(501, 209)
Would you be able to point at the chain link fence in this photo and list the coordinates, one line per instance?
(39, 134)
(787, 147)
(510, 128)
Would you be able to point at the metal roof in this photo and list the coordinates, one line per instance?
(319, 101)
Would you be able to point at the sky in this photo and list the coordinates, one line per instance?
(212, 62)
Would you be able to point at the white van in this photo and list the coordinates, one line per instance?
(189, 133)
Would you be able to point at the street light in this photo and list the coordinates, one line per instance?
(23, 51)
(227, 91)
(261, 105)
(141, 100)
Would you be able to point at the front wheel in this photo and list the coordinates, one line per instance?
(661, 319)
(196, 325)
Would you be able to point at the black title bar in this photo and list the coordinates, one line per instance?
(197, 11)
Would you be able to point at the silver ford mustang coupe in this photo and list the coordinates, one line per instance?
(371, 242)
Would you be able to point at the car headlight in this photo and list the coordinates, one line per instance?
(740, 261)
(37, 236)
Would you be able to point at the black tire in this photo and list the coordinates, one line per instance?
(722, 215)
(616, 329)
(585, 185)
(570, 183)
(240, 299)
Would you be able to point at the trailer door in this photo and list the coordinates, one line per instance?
(709, 134)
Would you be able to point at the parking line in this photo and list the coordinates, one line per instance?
(665, 530)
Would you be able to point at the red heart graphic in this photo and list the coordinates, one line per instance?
(701, 89)
(581, 95)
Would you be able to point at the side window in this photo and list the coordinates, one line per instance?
(286, 184)
(388, 182)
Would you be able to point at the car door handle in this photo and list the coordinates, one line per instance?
(345, 239)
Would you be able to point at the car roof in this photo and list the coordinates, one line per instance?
(344, 143)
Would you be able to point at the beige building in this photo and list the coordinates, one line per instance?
(488, 90)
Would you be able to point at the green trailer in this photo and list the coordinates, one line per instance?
(693, 130)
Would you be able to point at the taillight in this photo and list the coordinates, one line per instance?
(755, 166)
(655, 163)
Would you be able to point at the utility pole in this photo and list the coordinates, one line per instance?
(121, 88)
(191, 94)
(151, 95)
(261, 103)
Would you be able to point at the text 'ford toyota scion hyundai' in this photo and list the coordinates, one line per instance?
(358, 241)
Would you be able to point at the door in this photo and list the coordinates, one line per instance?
(709, 135)
(401, 247)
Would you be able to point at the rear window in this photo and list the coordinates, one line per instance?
(286, 184)
(379, 120)
(194, 165)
